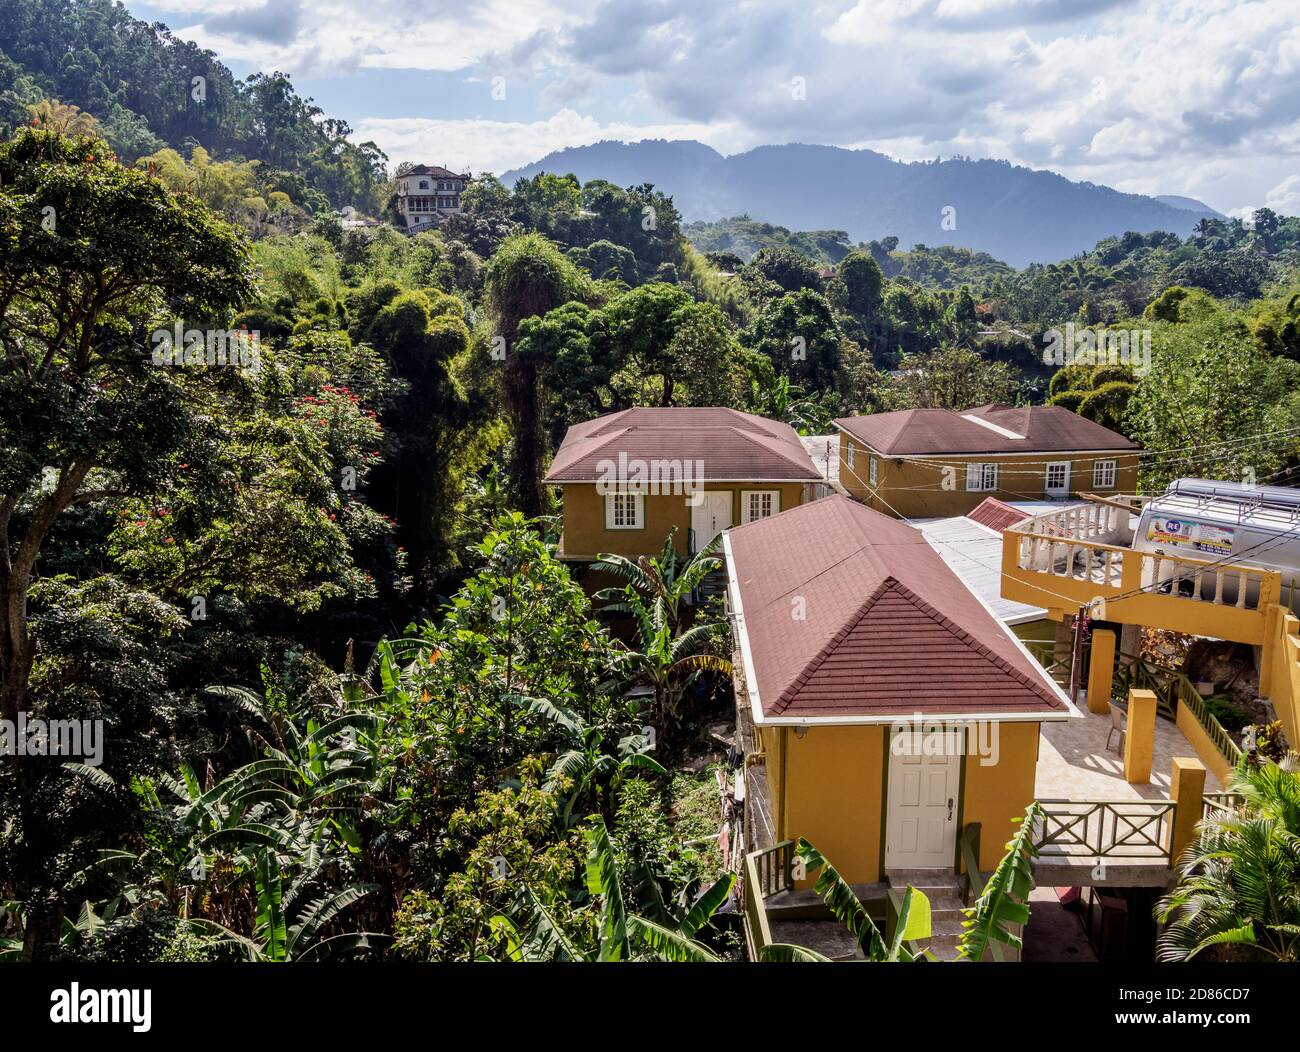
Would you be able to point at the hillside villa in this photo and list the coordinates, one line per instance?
(932, 463)
(628, 478)
(429, 193)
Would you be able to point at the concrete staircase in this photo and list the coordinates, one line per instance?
(946, 892)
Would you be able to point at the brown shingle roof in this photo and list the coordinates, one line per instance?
(435, 170)
(732, 446)
(849, 612)
(1042, 429)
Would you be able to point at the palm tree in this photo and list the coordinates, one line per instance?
(1239, 881)
(620, 936)
(664, 581)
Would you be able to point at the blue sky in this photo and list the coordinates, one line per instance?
(1195, 97)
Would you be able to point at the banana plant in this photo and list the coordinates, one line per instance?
(586, 769)
(665, 582)
(849, 911)
(666, 662)
(620, 936)
(1002, 910)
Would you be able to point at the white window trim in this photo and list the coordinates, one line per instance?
(1047, 476)
(638, 512)
(1113, 470)
(984, 484)
(745, 494)
(872, 475)
(848, 453)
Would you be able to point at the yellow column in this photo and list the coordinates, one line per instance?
(1101, 669)
(1140, 740)
(1187, 790)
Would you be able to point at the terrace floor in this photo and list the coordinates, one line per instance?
(1074, 763)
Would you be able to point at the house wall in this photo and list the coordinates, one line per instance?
(996, 794)
(830, 788)
(915, 487)
(831, 791)
(585, 536)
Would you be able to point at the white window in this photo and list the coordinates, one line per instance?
(848, 453)
(871, 472)
(424, 184)
(1058, 476)
(981, 478)
(759, 504)
(1103, 474)
(624, 511)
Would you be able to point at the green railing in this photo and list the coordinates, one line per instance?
(767, 873)
(1171, 689)
(1136, 830)
(969, 843)
(1222, 802)
(1191, 698)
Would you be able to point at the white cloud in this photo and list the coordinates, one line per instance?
(497, 146)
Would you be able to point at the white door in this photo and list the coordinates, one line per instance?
(924, 784)
(1056, 482)
(710, 516)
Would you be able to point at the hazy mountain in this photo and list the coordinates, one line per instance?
(1188, 204)
(1016, 214)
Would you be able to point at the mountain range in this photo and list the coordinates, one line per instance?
(1017, 214)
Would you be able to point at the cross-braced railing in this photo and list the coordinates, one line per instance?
(1129, 829)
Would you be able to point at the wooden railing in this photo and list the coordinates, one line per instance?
(767, 873)
(775, 868)
(1190, 697)
(1044, 652)
(1220, 802)
(969, 842)
(1135, 830)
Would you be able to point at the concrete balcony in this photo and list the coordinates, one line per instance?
(1081, 556)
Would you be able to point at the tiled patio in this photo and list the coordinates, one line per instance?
(1074, 763)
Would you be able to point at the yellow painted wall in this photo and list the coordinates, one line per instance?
(1206, 750)
(830, 788)
(912, 489)
(994, 795)
(585, 536)
(831, 794)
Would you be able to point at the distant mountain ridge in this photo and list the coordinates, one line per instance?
(1017, 214)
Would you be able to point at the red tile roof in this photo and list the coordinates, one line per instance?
(731, 446)
(996, 515)
(1036, 429)
(848, 612)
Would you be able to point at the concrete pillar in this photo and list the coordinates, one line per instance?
(1187, 790)
(1140, 741)
(1101, 669)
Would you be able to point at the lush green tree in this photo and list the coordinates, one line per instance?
(527, 277)
(798, 335)
(954, 378)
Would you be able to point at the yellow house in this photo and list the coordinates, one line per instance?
(889, 706)
(628, 478)
(935, 463)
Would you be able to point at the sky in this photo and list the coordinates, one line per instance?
(1192, 97)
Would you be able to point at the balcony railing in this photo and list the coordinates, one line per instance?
(1123, 569)
(1132, 830)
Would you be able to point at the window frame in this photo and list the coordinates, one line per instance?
(873, 472)
(1113, 466)
(745, 494)
(638, 511)
(984, 467)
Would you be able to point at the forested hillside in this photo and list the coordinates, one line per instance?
(149, 90)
